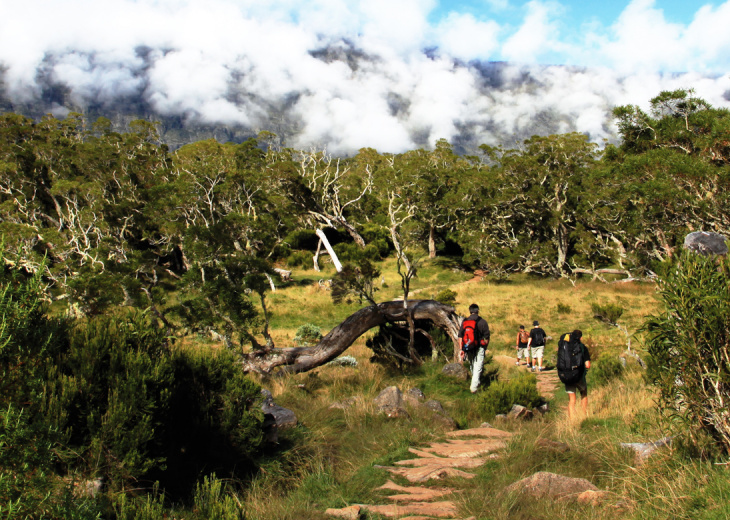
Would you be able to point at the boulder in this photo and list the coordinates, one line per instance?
(390, 402)
(276, 418)
(706, 243)
(550, 485)
(456, 370)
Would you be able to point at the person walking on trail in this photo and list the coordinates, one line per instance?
(523, 337)
(581, 385)
(474, 334)
(537, 344)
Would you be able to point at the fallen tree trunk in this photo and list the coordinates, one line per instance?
(339, 339)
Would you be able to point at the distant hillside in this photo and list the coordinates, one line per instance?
(367, 103)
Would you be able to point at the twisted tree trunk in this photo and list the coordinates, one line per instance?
(339, 339)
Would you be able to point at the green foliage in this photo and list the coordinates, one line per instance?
(355, 280)
(608, 312)
(564, 308)
(212, 501)
(606, 368)
(500, 396)
(447, 297)
(689, 345)
(307, 335)
(299, 259)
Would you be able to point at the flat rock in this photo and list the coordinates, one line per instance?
(349, 513)
(482, 431)
(426, 473)
(465, 447)
(414, 493)
(550, 485)
(444, 462)
(706, 243)
(438, 509)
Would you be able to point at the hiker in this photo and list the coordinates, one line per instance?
(474, 334)
(537, 344)
(523, 337)
(584, 358)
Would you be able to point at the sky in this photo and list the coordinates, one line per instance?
(410, 71)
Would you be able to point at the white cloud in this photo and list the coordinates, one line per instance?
(231, 61)
(466, 38)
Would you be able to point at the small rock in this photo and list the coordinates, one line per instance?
(548, 444)
(500, 416)
(592, 497)
(344, 404)
(644, 450)
(542, 409)
(456, 370)
(416, 393)
(520, 412)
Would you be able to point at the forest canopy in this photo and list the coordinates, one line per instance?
(117, 219)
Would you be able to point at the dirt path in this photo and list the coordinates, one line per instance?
(454, 456)
(461, 451)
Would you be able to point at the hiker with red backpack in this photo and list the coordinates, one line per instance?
(522, 351)
(474, 334)
(574, 360)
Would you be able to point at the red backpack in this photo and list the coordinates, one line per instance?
(470, 338)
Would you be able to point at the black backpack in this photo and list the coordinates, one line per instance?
(539, 338)
(571, 362)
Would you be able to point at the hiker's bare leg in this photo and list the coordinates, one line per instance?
(584, 403)
(571, 405)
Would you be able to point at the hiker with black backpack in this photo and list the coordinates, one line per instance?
(574, 360)
(474, 334)
(537, 344)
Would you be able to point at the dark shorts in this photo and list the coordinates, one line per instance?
(581, 386)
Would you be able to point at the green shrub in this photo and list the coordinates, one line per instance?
(606, 368)
(689, 345)
(564, 308)
(609, 312)
(136, 410)
(307, 335)
(500, 396)
(447, 297)
(299, 258)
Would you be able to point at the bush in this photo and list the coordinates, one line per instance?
(689, 345)
(447, 297)
(500, 396)
(609, 312)
(606, 368)
(564, 308)
(308, 335)
(299, 258)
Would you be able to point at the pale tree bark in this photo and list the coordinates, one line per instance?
(328, 247)
(339, 339)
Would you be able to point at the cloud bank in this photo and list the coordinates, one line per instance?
(352, 74)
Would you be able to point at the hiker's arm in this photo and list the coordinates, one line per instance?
(588, 364)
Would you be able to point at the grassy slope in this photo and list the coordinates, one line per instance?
(328, 460)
